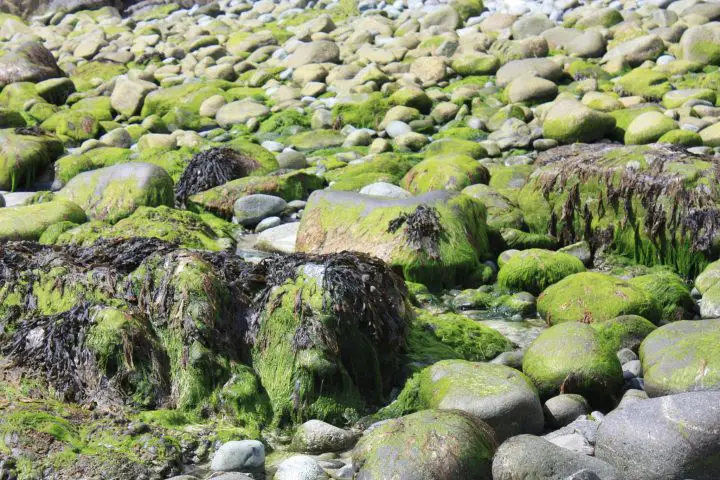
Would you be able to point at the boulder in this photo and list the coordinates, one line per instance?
(531, 89)
(536, 269)
(539, 67)
(240, 112)
(128, 95)
(250, 210)
(569, 121)
(320, 51)
(701, 43)
(315, 436)
(648, 128)
(24, 157)
(664, 438)
(300, 467)
(564, 409)
(636, 51)
(239, 456)
(28, 62)
(28, 222)
(444, 172)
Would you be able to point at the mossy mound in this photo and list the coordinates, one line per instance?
(69, 166)
(436, 239)
(28, 222)
(670, 292)
(24, 156)
(445, 172)
(644, 82)
(627, 331)
(387, 167)
(650, 203)
(573, 358)
(591, 297)
(364, 114)
(534, 270)
(501, 211)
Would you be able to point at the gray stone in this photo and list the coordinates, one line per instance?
(384, 189)
(526, 456)
(539, 67)
(128, 95)
(530, 88)
(633, 368)
(266, 223)
(279, 239)
(564, 409)
(626, 355)
(300, 467)
(291, 159)
(358, 138)
(315, 436)
(240, 112)
(321, 51)
(397, 128)
(665, 438)
(251, 209)
(118, 137)
(29, 62)
(637, 50)
(239, 456)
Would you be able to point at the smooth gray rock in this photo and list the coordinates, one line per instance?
(529, 457)
(266, 223)
(239, 456)
(252, 209)
(665, 438)
(28, 62)
(384, 189)
(564, 409)
(315, 436)
(279, 239)
(291, 159)
(300, 467)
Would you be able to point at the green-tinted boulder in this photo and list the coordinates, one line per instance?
(316, 140)
(644, 82)
(436, 443)
(447, 253)
(648, 128)
(363, 113)
(671, 294)
(28, 222)
(455, 146)
(91, 74)
(701, 43)
(23, 157)
(501, 211)
(113, 193)
(595, 297)
(572, 358)
(711, 135)
(682, 357)
(445, 172)
(569, 121)
(676, 98)
(387, 167)
(70, 165)
(683, 138)
(534, 270)
(188, 96)
(627, 331)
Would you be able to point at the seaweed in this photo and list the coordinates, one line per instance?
(210, 168)
(34, 131)
(422, 229)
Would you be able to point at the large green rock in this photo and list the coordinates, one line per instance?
(572, 358)
(671, 293)
(648, 128)
(682, 357)
(438, 239)
(536, 269)
(569, 121)
(113, 193)
(28, 222)
(445, 172)
(595, 297)
(627, 331)
(431, 444)
(23, 157)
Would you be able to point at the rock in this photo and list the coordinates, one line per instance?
(410, 142)
(23, 157)
(648, 128)
(437, 443)
(669, 437)
(564, 409)
(239, 456)
(321, 51)
(128, 95)
(711, 135)
(444, 172)
(384, 189)
(445, 18)
(527, 89)
(300, 467)
(113, 193)
(527, 456)
(315, 436)
(333, 220)
(28, 222)
(251, 209)
(624, 332)
(530, 26)
(681, 357)
(569, 121)
(430, 70)
(572, 358)
(279, 239)
(539, 67)
(240, 112)
(636, 51)
(210, 106)
(292, 160)
(535, 269)
(28, 62)
(699, 43)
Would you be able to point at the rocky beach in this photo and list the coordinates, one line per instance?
(359, 239)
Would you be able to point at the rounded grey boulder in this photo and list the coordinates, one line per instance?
(252, 209)
(239, 456)
(563, 409)
(315, 436)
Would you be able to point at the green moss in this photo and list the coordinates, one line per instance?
(316, 140)
(156, 13)
(285, 121)
(388, 167)
(645, 83)
(365, 114)
(627, 331)
(453, 146)
(51, 234)
(670, 292)
(461, 133)
(683, 138)
(188, 96)
(70, 165)
(519, 240)
(23, 157)
(28, 222)
(447, 172)
(91, 74)
(534, 270)
(595, 297)
(15, 95)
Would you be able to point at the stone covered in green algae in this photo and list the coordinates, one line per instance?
(645, 83)
(569, 121)
(28, 222)
(436, 443)
(536, 269)
(333, 221)
(626, 331)
(502, 212)
(69, 166)
(113, 193)
(23, 157)
(595, 297)
(387, 167)
(444, 172)
(573, 358)
(671, 293)
(682, 357)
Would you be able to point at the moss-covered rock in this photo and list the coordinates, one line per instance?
(28, 222)
(448, 252)
(113, 193)
(437, 443)
(648, 128)
(534, 270)
(367, 113)
(682, 357)
(444, 172)
(316, 140)
(455, 146)
(591, 297)
(501, 211)
(645, 83)
(683, 138)
(569, 121)
(499, 395)
(627, 331)
(387, 167)
(188, 96)
(23, 157)
(91, 74)
(670, 292)
(572, 358)
(69, 166)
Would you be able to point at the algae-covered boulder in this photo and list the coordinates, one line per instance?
(569, 121)
(573, 358)
(501, 211)
(536, 269)
(701, 43)
(113, 193)
(500, 396)
(671, 293)
(626, 331)
(28, 62)
(682, 357)
(708, 284)
(445, 172)
(595, 297)
(434, 443)
(648, 128)
(641, 202)
(437, 239)
(23, 157)
(387, 167)
(180, 227)
(28, 222)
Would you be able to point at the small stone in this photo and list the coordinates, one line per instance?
(239, 456)
(252, 209)
(563, 409)
(300, 467)
(291, 159)
(266, 223)
(315, 436)
(384, 189)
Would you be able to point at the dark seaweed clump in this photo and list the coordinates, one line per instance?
(422, 229)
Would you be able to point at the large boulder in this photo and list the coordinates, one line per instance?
(444, 172)
(437, 239)
(595, 297)
(682, 357)
(28, 222)
(113, 193)
(500, 396)
(433, 443)
(526, 456)
(636, 51)
(536, 269)
(573, 358)
(665, 438)
(569, 121)
(23, 157)
(701, 43)
(28, 62)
